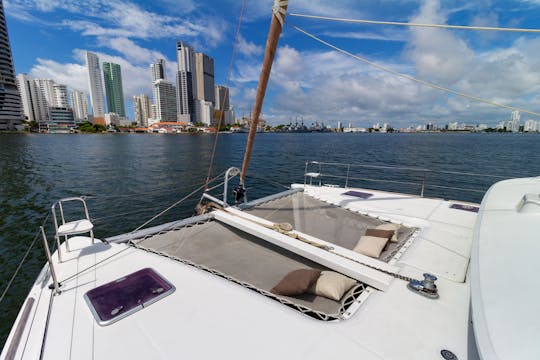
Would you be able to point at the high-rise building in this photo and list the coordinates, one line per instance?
(11, 110)
(24, 83)
(204, 65)
(530, 126)
(158, 70)
(165, 101)
(114, 89)
(79, 104)
(513, 124)
(60, 96)
(34, 102)
(143, 109)
(95, 84)
(222, 97)
(46, 88)
(186, 82)
(205, 112)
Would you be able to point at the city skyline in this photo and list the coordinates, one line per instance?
(301, 65)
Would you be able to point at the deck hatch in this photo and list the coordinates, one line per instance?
(463, 207)
(360, 194)
(122, 297)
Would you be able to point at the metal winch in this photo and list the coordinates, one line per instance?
(425, 287)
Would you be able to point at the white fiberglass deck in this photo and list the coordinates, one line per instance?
(210, 317)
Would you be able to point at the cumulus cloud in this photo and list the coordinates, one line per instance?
(248, 48)
(438, 54)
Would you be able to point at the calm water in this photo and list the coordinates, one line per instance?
(132, 177)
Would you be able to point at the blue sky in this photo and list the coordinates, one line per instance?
(309, 81)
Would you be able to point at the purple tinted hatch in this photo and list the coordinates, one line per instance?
(360, 194)
(122, 297)
(464, 207)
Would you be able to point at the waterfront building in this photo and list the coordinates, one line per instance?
(24, 85)
(61, 121)
(11, 109)
(46, 88)
(204, 65)
(221, 97)
(112, 74)
(227, 117)
(60, 96)
(158, 70)
(34, 104)
(165, 101)
(186, 84)
(142, 109)
(79, 103)
(513, 124)
(205, 112)
(95, 84)
(531, 126)
(112, 119)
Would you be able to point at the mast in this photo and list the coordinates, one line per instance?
(279, 10)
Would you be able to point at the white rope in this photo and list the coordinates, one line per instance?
(279, 11)
(411, 78)
(440, 26)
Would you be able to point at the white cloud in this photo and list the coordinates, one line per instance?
(439, 55)
(248, 48)
(122, 18)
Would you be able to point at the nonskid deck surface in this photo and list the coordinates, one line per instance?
(208, 309)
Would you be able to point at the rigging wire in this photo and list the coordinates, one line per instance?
(411, 78)
(226, 93)
(16, 272)
(440, 26)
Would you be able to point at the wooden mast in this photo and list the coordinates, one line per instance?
(279, 10)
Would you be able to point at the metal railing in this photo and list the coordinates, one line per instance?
(404, 178)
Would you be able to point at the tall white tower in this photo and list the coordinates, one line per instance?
(60, 96)
(95, 84)
(79, 103)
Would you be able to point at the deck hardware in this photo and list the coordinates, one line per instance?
(425, 287)
(448, 355)
(55, 285)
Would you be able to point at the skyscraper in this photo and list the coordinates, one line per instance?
(158, 70)
(204, 65)
(24, 83)
(79, 103)
(11, 111)
(143, 109)
(95, 84)
(222, 97)
(34, 102)
(114, 89)
(165, 101)
(186, 84)
(46, 88)
(60, 97)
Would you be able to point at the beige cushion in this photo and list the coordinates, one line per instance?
(380, 233)
(332, 285)
(370, 245)
(394, 227)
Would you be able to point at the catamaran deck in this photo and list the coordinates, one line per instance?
(211, 315)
